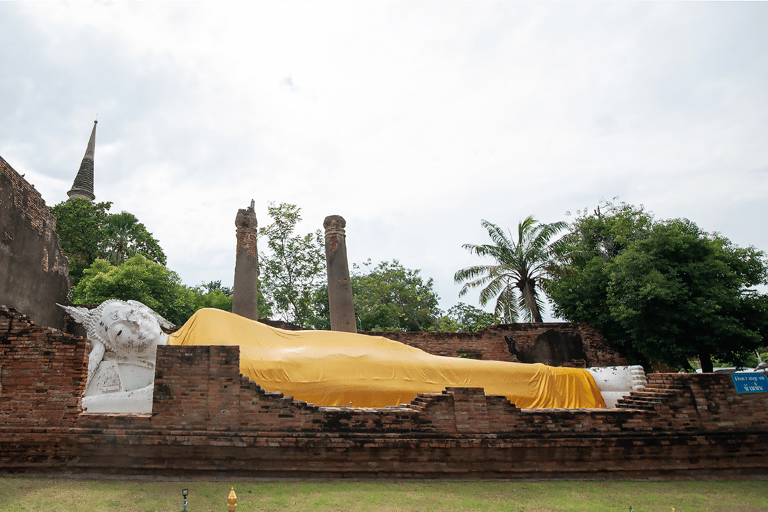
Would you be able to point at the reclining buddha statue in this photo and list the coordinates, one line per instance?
(327, 368)
(121, 366)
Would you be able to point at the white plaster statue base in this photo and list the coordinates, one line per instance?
(137, 401)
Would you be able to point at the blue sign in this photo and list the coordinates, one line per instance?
(750, 382)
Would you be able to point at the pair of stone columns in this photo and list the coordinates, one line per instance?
(245, 296)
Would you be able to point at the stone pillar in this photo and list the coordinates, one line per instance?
(340, 300)
(246, 292)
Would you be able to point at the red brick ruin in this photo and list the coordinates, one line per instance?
(34, 273)
(208, 420)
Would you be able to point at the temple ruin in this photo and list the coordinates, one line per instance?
(209, 421)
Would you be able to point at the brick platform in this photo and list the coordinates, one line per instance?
(209, 421)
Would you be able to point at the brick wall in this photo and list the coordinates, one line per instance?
(42, 375)
(33, 270)
(39, 366)
(208, 420)
(555, 344)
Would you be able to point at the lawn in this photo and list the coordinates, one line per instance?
(49, 494)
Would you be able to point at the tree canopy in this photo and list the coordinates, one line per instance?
(520, 266)
(661, 290)
(292, 269)
(150, 283)
(113, 256)
(387, 296)
(212, 295)
(390, 297)
(88, 231)
(137, 279)
(467, 318)
(125, 236)
(79, 224)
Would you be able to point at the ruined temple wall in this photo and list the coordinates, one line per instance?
(555, 343)
(486, 344)
(578, 344)
(208, 420)
(682, 423)
(33, 270)
(42, 373)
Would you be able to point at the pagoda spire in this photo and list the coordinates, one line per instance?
(83, 184)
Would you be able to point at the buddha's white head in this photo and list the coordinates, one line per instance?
(129, 329)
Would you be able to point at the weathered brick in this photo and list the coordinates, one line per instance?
(209, 417)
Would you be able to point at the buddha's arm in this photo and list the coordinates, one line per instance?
(94, 359)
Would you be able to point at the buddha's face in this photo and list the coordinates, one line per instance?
(131, 330)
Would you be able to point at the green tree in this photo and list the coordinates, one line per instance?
(137, 279)
(293, 268)
(390, 297)
(125, 236)
(665, 291)
(80, 224)
(520, 266)
(680, 293)
(148, 282)
(579, 288)
(320, 316)
(212, 286)
(611, 228)
(212, 295)
(88, 231)
(468, 318)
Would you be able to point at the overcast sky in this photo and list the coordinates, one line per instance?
(412, 120)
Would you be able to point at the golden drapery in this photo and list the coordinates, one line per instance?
(344, 369)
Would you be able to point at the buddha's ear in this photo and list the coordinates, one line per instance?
(162, 321)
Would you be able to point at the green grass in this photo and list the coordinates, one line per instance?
(50, 495)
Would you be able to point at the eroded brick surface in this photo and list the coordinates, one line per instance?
(34, 273)
(529, 342)
(209, 420)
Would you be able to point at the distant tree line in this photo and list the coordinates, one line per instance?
(113, 256)
(659, 290)
(387, 296)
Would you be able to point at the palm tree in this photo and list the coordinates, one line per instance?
(519, 267)
(120, 231)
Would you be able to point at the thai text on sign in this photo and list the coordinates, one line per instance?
(750, 382)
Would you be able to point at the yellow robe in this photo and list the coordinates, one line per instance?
(343, 369)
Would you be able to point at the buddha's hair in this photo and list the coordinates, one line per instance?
(89, 318)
